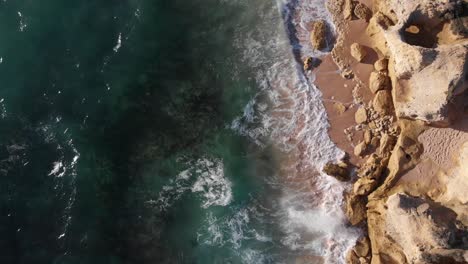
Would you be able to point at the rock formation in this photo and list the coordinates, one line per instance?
(411, 140)
(429, 56)
(358, 52)
(318, 35)
(339, 171)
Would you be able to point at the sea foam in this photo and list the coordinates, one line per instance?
(288, 113)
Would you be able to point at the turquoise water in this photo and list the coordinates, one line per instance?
(128, 133)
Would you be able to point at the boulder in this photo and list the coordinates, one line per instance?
(310, 63)
(355, 208)
(361, 115)
(383, 103)
(381, 65)
(362, 11)
(379, 81)
(341, 173)
(360, 149)
(358, 52)
(318, 35)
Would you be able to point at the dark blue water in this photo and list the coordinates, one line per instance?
(104, 104)
(138, 131)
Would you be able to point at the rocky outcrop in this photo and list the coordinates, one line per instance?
(338, 171)
(415, 209)
(421, 228)
(429, 58)
(355, 208)
(379, 81)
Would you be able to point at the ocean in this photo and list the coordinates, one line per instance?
(167, 131)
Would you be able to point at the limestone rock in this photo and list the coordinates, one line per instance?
(361, 115)
(362, 247)
(363, 260)
(367, 136)
(336, 171)
(383, 103)
(358, 52)
(424, 236)
(429, 66)
(364, 186)
(372, 168)
(360, 149)
(351, 258)
(348, 9)
(387, 143)
(355, 208)
(362, 11)
(318, 35)
(379, 81)
(375, 142)
(381, 65)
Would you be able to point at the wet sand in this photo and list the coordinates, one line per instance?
(337, 90)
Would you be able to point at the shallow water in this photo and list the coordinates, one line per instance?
(163, 131)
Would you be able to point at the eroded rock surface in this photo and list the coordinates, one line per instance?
(420, 227)
(429, 54)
